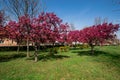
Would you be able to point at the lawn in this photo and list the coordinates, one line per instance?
(75, 64)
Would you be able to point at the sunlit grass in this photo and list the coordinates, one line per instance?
(72, 65)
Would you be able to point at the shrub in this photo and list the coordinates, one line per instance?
(64, 48)
(83, 46)
(53, 50)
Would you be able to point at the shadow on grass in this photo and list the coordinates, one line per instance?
(74, 48)
(97, 53)
(110, 58)
(5, 58)
(88, 53)
(49, 57)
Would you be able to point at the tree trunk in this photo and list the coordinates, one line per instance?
(92, 49)
(36, 54)
(52, 50)
(28, 55)
(18, 49)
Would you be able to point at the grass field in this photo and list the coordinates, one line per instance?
(73, 65)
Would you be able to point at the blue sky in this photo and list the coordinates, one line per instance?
(82, 13)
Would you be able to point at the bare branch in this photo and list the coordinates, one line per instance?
(23, 7)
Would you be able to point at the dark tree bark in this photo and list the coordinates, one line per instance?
(92, 48)
(36, 53)
(28, 55)
(18, 49)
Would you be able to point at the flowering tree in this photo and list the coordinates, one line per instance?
(45, 29)
(73, 36)
(63, 32)
(20, 30)
(2, 32)
(25, 23)
(15, 32)
(98, 34)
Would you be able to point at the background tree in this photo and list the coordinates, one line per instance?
(73, 36)
(2, 33)
(99, 20)
(2, 25)
(22, 7)
(71, 26)
(63, 31)
(2, 17)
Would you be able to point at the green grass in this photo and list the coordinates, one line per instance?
(72, 65)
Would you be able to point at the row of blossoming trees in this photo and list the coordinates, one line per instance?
(94, 35)
(47, 28)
